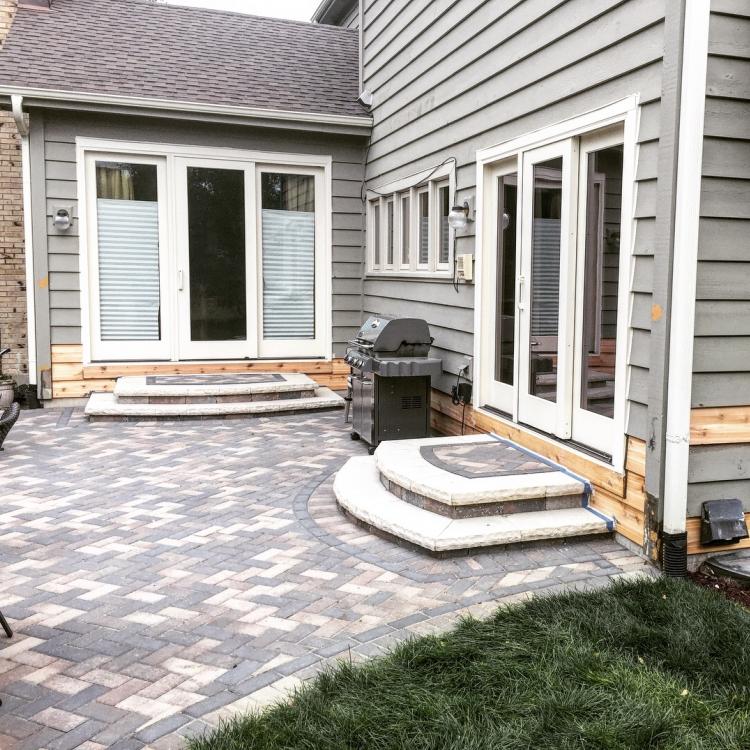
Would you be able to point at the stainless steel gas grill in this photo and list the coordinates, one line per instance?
(390, 379)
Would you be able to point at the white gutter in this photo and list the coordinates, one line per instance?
(169, 105)
(685, 271)
(23, 131)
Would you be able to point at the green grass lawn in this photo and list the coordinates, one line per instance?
(641, 664)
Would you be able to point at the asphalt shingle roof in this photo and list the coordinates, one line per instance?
(141, 49)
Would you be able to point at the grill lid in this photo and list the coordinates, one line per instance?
(397, 336)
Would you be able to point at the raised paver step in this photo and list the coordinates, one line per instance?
(213, 388)
(106, 407)
(359, 492)
(475, 475)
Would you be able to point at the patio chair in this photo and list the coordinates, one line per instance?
(6, 627)
(7, 420)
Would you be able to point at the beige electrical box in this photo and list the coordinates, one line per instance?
(465, 267)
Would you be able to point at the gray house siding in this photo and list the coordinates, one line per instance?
(60, 130)
(351, 20)
(721, 367)
(449, 80)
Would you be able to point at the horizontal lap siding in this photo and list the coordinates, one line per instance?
(61, 131)
(449, 79)
(721, 365)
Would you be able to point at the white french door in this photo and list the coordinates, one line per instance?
(216, 268)
(552, 306)
(597, 289)
(546, 292)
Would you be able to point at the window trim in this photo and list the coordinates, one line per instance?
(428, 182)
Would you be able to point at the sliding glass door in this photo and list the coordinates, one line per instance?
(250, 262)
(203, 258)
(215, 275)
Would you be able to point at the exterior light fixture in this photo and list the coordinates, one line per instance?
(62, 219)
(458, 217)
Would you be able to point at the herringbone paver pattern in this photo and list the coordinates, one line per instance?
(160, 576)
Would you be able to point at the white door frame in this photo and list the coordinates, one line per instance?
(551, 416)
(588, 427)
(625, 112)
(121, 150)
(294, 347)
(187, 348)
(89, 260)
(502, 395)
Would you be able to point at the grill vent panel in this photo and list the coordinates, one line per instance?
(411, 402)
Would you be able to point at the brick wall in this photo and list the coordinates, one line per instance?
(12, 263)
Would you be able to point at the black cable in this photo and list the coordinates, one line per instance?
(365, 189)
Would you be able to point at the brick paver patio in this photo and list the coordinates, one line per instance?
(161, 576)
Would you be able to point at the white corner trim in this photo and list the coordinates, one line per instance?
(80, 97)
(28, 241)
(685, 267)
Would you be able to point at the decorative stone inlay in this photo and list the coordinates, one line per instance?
(215, 379)
(487, 459)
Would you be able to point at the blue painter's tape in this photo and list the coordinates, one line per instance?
(609, 521)
(586, 484)
(544, 460)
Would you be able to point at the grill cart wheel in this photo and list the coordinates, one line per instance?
(354, 436)
(371, 449)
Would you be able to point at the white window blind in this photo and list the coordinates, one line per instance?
(128, 243)
(288, 274)
(545, 289)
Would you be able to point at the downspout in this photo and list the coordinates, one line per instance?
(684, 283)
(23, 130)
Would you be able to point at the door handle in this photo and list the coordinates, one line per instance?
(521, 290)
(180, 280)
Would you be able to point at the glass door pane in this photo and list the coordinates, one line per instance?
(216, 242)
(547, 287)
(288, 244)
(601, 267)
(127, 211)
(505, 311)
(127, 232)
(544, 279)
(595, 381)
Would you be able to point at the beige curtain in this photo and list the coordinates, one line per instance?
(114, 181)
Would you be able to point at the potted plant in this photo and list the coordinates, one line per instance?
(7, 386)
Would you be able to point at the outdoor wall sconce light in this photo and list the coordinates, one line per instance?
(460, 216)
(62, 219)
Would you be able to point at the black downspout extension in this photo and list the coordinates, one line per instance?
(674, 554)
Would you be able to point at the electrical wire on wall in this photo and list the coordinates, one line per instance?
(364, 190)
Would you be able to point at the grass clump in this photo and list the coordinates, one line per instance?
(640, 664)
